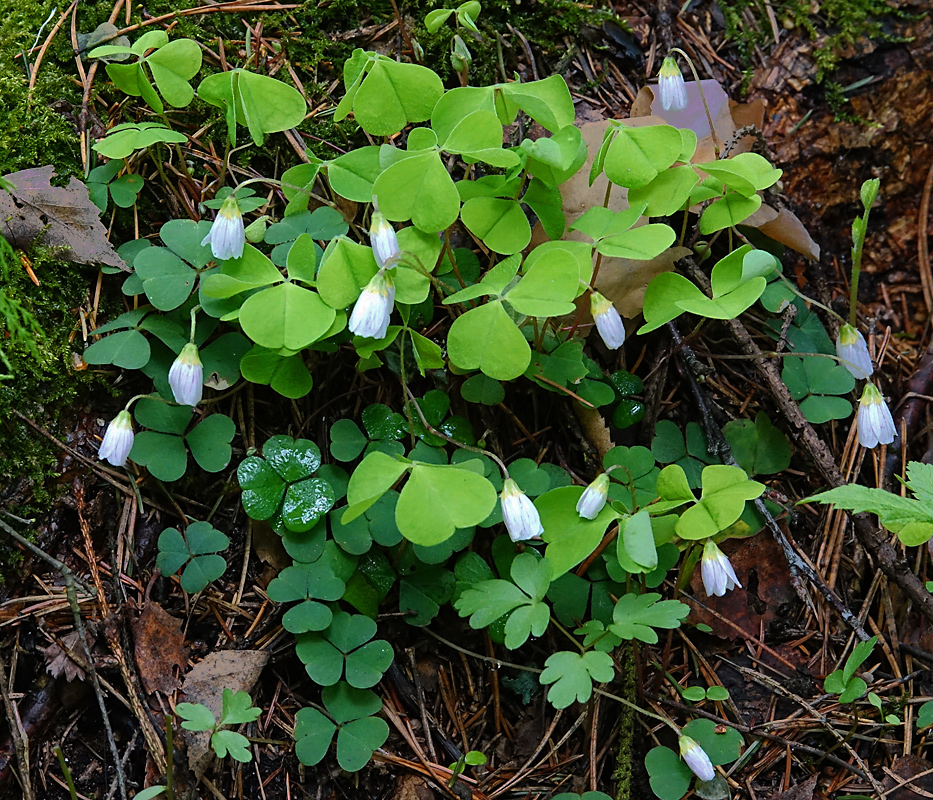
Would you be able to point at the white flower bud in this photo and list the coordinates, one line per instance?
(519, 513)
(696, 758)
(186, 377)
(227, 236)
(118, 440)
(593, 499)
(874, 421)
(608, 322)
(671, 85)
(370, 316)
(717, 572)
(853, 350)
(383, 239)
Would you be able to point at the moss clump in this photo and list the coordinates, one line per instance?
(839, 23)
(35, 130)
(44, 383)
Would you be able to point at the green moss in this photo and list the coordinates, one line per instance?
(45, 385)
(838, 23)
(622, 775)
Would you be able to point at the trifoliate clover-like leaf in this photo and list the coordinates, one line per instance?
(572, 675)
(344, 646)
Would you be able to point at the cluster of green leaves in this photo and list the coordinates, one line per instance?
(237, 709)
(397, 516)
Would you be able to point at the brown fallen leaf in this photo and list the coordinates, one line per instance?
(237, 670)
(160, 647)
(802, 791)
(909, 779)
(763, 598)
(55, 216)
(58, 662)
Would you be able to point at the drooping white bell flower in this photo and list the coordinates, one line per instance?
(118, 440)
(852, 348)
(696, 758)
(717, 572)
(593, 499)
(186, 377)
(383, 239)
(370, 316)
(519, 513)
(227, 236)
(671, 85)
(874, 421)
(608, 322)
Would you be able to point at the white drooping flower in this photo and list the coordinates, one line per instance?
(874, 421)
(696, 758)
(370, 316)
(384, 241)
(519, 513)
(716, 570)
(118, 440)
(852, 348)
(671, 85)
(608, 322)
(186, 377)
(593, 499)
(227, 236)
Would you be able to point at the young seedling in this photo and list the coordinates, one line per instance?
(237, 708)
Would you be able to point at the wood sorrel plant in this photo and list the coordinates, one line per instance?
(409, 512)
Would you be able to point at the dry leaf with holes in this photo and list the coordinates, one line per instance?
(159, 648)
(60, 217)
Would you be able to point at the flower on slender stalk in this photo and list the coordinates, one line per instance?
(186, 377)
(608, 322)
(519, 513)
(383, 239)
(874, 421)
(593, 499)
(671, 85)
(696, 758)
(853, 350)
(718, 575)
(118, 440)
(227, 235)
(370, 316)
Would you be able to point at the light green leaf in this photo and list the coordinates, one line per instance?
(418, 188)
(636, 156)
(725, 490)
(286, 316)
(547, 288)
(437, 500)
(728, 212)
(487, 339)
(573, 674)
(636, 616)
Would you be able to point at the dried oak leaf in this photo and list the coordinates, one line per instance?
(159, 647)
(55, 216)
